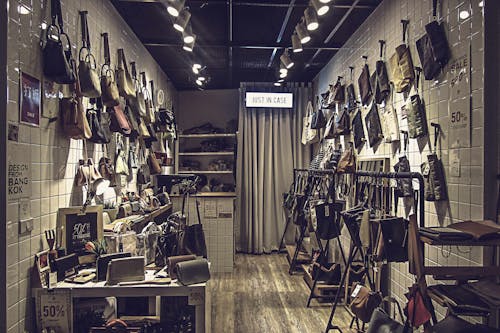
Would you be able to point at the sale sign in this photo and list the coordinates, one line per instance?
(460, 95)
(54, 310)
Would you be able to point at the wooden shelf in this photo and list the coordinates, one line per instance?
(206, 172)
(204, 136)
(322, 290)
(302, 258)
(221, 153)
(470, 242)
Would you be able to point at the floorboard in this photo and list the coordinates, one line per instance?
(260, 296)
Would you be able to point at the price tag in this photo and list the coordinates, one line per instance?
(54, 310)
(52, 280)
(356, 290)
(196, 297)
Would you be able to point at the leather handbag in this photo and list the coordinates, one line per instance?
(358, 130)
(435, 183)
(381, 321)
(318, 120)
(328, 220)
(342, 123)
(389, 120)
(416, 310)
(309, 135)
(132, 120)
(119, 122)
(383, 86)
(107, 170)
(57, 57)
(193, 240)
(373, 126)
(417, 122)
(75, 123)
(329, 128)
(395, 237)
(336, 93)
(347, 163)
(351, 98)
(88, 75)
(192, 271)
(154, 164)
(109, 91)
(365, 88)
(402, 69)
(121, 165)
(99, 135)
(433, 50)
(174, 260)
(404, 186)
(124, 80)
(364, 302)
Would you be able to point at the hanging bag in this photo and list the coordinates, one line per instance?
(119, 122)
(99, 134)
(417, 122)
(124, 81)
(373, 126)
(57, 56)
(154, 164)
(109, 91)
(364, 302)
(382, 322)
(401, 64)
(121, 165)
(318, 118)
(347, 163)
(358, 129)
(342, 123)
(395, 237)
(328, 220)
(433, 172)
(87, 68)
(389, 119)
(309, 135)
(365, 89)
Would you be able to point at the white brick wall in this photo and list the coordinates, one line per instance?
(53, 157)
(465, 192)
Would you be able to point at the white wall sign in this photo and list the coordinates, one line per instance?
(55, 310)
(19, 173)
(460, 104)
(269, 100)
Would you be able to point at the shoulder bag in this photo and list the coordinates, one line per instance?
(134, 125)
(154, 164)
(87, 68)
(124, 81)
(358, 130)
(383, 85)
(417, 121)
(329, 128)
(389, 120)
(99, 134)
(318, 119)
(107, 170)
(192, 271)
(395, 236)
(373, 126)
(364, 302)
(401, 65)
(365, 89)
(404, 186)
(110, 95)
(347, 162)
(119, 122)
(342, 123)
(433, 50)
(121, 165)
(56, 56)
(309, 135)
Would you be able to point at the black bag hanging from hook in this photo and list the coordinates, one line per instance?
(433, 172)
(365, 89)
(404, 186)
(417, 122)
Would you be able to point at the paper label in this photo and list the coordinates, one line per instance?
(356, 290)
(196, 297)
(327, 210)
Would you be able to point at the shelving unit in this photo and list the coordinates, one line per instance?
(206, 172)
(222, 153)
(208, 136)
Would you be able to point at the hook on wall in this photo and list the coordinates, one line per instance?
(365, 58)
(351, 68)
(405, 28)
(382, 43)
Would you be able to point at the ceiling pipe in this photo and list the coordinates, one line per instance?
(239, 46)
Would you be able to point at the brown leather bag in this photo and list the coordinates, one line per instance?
(172, 261)
(119, 122)
(124, 80)
(110, 95)
(364, 302)
(154, 165)
(75, 123)
(347, 162)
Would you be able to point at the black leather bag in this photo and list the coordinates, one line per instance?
(342, 123)
(358, 130)
(417, 122)
(328, 220)
(99, 133)
(404, 186)
(192, 271)
(318, 119)
(395, 236)
(351, 98)
(193, 240)
(433, 50)
(373, 126)
(381, 322)
(435, 183)
(365, 88)
(383, 85)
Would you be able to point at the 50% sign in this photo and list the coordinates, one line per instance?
(55, 311)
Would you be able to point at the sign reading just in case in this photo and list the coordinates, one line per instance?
(269, 100)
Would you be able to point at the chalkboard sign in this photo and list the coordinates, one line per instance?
(78, 228)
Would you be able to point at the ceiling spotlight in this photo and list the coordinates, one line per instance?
(23, 9)
(189, 46)
(321, 8)
(283, 69)
(325, 1)
(464, 14)
(283, 75)
(196, 68)
(481, 4)
(311, 19)
(281, 80)
(201, 78)
(302, 33)
(174, 7)
(277, 84)
(182, 20)
(296, 44)
(198, 82)
(285, 59)
(187, 34)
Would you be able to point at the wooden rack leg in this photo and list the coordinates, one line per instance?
(352, 255)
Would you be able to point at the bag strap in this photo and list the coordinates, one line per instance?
(382, 43)
(133, 69)
(434, 8)
(152, 85)
(405, 29)
(56, 13)
(85, 29)
(143, 80)
(123, 59)
(418, 71)
(107, 56)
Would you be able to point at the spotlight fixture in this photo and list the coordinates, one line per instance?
(198, 82)
(464, 14)
(277, 84)
(189, 46)
(285, 59)
(196, 68)
(182, 20)
(283, 69)
(23, 9)
(201, 78)
(283, 75)
(174, 7)
(296, 44)
(311, 19)
(187, 34)
(320, 7)
(325, 1)
(302, 33)
(281, 80)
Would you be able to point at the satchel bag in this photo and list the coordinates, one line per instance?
(56, 56)
(154, 164)
(364, 302)
(109, 90)
(395, 236)
(87, 67)
(342, 123)
(358, 130)
(318, 120)
(417, 122)
(365, 88)
(119, 122)
(309, 135)
(174, 260)
(433, 50)
(124, 81)
(347, 163)
(381, 322)
(192, 271)
(373, 126)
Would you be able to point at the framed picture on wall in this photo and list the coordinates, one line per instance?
(78, 228)
(30, 100)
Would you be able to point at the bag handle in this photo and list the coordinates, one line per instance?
(405, 28)
(437, 131)
(56, 13)
(152, 85)
(434, 8)
(107, 56)
(122, 61)
(382, 43)
(85, 29)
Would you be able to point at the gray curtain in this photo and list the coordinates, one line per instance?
(269, 148)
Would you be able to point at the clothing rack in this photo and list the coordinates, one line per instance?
(355, 249)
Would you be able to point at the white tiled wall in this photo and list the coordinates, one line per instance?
(53, 157)
(465, 192)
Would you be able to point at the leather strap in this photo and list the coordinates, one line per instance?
(56, 13)
(122, 61)
(133, 70)
(85, 29)
(143, 79)
(152, 85)
(405, 28)
(107, 57)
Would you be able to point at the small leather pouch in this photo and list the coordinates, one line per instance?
(193, 271)
(173, 261)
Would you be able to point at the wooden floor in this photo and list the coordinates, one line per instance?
(260, 296)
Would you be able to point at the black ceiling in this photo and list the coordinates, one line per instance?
(250, 51)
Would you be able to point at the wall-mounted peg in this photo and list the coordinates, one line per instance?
(365, 58)
(382, 43)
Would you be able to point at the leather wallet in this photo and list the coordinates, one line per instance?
(66, 266)
(172, 261)
(124, 270)
(103, 261)
(192, 271)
